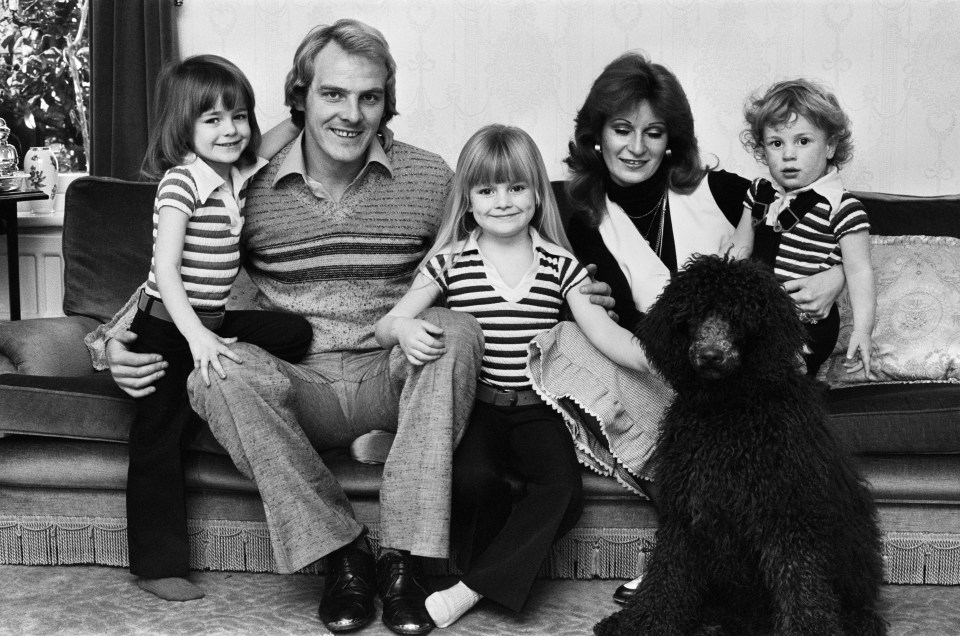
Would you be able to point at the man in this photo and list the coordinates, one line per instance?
(335, 226)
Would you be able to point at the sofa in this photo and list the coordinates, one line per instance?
(63, 426)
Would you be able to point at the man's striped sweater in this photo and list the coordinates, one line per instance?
(343, 264)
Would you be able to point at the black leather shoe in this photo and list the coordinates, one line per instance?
(349, 588)
(625, 593)
(400, 583)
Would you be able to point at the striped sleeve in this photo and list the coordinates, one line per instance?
(177, 190)
(572, 273)
(434, 270)
(851, 217)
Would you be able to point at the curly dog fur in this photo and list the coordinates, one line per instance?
(765, 527)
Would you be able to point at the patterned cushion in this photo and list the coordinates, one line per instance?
(917, 333)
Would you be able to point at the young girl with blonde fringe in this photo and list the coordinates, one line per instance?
(502, 256)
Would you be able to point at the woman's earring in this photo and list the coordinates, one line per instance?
(669, 153)
(596, 149)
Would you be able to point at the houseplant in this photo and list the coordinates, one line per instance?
(45, 75)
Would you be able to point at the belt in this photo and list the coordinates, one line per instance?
(154, 307)
(506, 397)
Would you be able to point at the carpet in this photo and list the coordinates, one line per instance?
(88, 600)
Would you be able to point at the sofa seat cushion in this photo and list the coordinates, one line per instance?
(84, 407)
(926, 479)
(897, 418)
(49, 462)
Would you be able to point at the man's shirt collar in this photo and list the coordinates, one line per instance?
(295, 163)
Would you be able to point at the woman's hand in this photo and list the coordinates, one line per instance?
(418, 339)
(599, 292)
(134, 373)
(206, 348)
(814, 295)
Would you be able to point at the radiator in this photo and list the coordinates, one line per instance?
(41, 274)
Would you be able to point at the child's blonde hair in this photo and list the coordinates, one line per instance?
(498, 154)
(778, 105)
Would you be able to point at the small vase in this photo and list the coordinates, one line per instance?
(40, 164)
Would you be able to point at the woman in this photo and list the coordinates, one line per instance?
(643, 205)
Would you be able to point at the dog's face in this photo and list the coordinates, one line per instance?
(714, 352)
(718, 319)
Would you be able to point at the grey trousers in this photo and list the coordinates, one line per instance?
(274, 417)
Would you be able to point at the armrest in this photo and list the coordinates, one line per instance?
(46, 346)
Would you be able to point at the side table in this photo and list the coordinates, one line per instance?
(8, 212)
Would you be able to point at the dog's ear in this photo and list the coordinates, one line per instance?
(664, 331)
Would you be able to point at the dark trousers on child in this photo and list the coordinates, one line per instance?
(501, 543)
(156, 505)
(821, 335)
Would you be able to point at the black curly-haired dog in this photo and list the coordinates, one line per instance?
(765, 527)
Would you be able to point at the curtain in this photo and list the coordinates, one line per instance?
(130, 41)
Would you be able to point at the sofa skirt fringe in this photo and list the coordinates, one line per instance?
(584, 553)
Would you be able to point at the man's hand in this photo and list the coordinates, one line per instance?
(599, 293)
(133, 372)
(814, 295)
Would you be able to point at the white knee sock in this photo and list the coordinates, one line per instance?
(447, 606)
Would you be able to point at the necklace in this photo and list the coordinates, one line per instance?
(658, 244)
(657, 206)
(654, 237)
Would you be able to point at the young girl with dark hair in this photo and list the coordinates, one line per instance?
(205, 147)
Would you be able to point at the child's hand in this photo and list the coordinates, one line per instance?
(207, 347)
(860, 341)
(419, 340)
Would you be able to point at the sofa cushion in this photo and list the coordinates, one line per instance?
(917, 333)
(897, 418)
(915, 247)
(89, 407)
(117, 217)
(46, 346)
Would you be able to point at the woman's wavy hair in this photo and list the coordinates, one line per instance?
(623, 84)
(497, 154)
(185, 90)
(782, 101)
(354, 37)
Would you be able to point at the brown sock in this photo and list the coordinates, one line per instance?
(171, 589)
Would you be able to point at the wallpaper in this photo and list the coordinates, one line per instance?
(894, 64)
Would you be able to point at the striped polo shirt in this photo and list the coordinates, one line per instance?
(509, 317)
(813, 244)
(211, 249)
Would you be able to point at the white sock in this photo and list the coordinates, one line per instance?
(447, 606)
(634, 584)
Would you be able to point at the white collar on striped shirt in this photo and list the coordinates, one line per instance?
(208, 180)
(829, 186)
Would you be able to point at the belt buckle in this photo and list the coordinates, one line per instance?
(513, 397)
